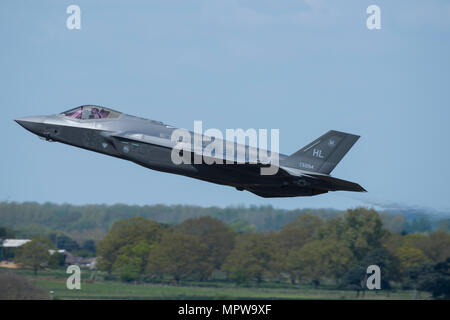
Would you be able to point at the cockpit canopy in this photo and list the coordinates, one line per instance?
(91, 112)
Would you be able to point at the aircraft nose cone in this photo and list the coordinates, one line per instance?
(32, 124)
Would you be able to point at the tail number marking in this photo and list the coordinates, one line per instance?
(317, 153)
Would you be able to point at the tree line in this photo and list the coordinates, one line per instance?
(91, 222)
(308, 249)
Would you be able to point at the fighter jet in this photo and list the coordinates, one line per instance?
(150, 144)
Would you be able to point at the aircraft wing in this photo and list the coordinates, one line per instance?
(143, 138)
(166, 143)
(331, 182)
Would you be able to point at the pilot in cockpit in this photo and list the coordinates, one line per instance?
(95, 114)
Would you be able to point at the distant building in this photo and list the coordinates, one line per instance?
(17, 243)
(51, 251)
(6, 253)
(14, 243)
(8, 247)
(80, 261)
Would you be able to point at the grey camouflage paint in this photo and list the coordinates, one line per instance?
(148, 143)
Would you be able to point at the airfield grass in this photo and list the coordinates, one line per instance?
(55, 280)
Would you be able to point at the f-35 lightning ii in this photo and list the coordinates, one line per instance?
(149, 143)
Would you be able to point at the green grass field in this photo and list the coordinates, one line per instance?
(55, 280)
(117, 290)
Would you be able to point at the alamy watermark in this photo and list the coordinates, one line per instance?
(373, 22)
(210, 147)
(74, 20)
(374, 280)
(74, 280)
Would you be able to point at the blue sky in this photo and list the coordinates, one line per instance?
(303, 67)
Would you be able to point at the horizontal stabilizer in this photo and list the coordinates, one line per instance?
(332, 183)
(339, 184)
